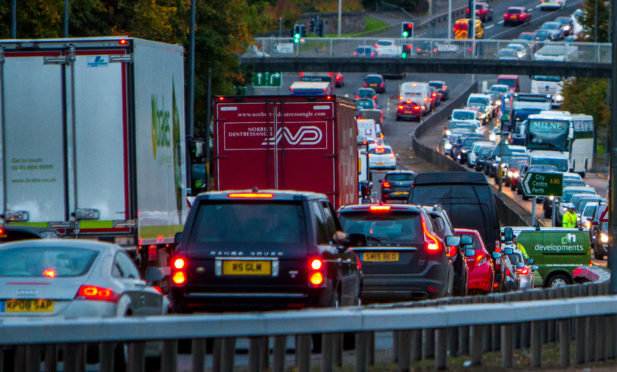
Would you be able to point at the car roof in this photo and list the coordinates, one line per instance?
(63, 243)
(289, 195)
(393, 207)
(428, 178)
(401, 171)
(507, 77)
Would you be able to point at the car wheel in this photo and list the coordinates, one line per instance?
(558, 280)
(398, 118)
(597, 255)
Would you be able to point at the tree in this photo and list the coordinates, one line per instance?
(588, 20)
(588, 96)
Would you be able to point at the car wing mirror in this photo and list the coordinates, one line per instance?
(154, 274)
(520, 265)
(178, 237)
(534, 268)
(496, 255)
(453, 240)
(470, 252)
(356, 240)
(466, 239)
(530, 261)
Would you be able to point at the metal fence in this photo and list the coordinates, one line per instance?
(421, 330)
(428, 48)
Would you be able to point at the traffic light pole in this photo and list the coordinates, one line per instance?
(449, 19)
(612, 197)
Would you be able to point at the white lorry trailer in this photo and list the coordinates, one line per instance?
(93, 140)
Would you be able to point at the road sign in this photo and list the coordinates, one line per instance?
(543, 184)
(267, 79)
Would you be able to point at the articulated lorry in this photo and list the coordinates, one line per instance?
(93, 141)
(287, 142)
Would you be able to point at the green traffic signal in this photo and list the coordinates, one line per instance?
(404, 55)
(297, 38)
(405, 34)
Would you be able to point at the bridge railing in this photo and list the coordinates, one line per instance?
(428, 48)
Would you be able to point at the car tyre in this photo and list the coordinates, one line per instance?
(558, 280)
(597, 255)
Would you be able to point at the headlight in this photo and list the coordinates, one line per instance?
(448, 132)
(448, 146)
(551, 198)
(588, 224)
(498, 103)
(464, 151)
(514, 174)
(558, 98)
(509, 174)
(603, 238)
(492, 137)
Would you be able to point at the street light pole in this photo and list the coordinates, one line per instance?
(612, 195)
(66, 18)
(449, 19)
(14, 20)
(340, 17)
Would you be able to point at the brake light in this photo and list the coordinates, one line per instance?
(508, 271)
(380, 208)
(435, 50)
(375, 98)
(357, 97)
(179, 263)
(179, 277)
(316, 275)
(372, 54)
(123, 41)
(157, 288)
(416, 107)
(400, 107)
(523, 270)
(94, 293)
(365, 85)
(355, 53)
(381, 85)
(386, 184)
(401, 98)
(432, 244)
(250, 195)
(419, 50)
(316, 264)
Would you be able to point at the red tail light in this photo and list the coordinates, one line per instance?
(372, 54)
(416, 107)
(316, 275)
(250, 195)
(179, 263)
(523, 270)
(355, 53)
(380, 208)
(381, 85)
(357, 97)
(386, 184)
(481, 259)
(179, 277)
(365, 85)
(94, 293)
(302, 73)
(508, 272)
(431, 242)
(435, 50)
(400, 107)
(497, 246)
(419, 50)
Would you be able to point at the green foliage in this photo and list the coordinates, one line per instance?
(588, 96)
(588, 20)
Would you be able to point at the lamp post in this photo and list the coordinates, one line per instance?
(14, 20)
(340, 17)
(612, 195)
(449, 19)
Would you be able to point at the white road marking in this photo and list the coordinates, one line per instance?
(500, 22)
(489, 26)
(537, 6)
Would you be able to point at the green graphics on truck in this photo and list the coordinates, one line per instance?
(556, 252)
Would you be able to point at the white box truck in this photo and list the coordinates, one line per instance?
(93, 140)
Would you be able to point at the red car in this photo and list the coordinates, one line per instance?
(340, 79)
(516, 15)
(481, 271)
(483, 11)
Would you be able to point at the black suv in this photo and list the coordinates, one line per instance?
(403, 258)
(396, 185)
(263, 249)
(441, 87)
(443, 227)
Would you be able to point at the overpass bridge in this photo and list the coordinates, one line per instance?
(428, 55)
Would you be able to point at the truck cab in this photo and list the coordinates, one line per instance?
(461, 29)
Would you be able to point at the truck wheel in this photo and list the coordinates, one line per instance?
(597, 255)
(558, 280)
(398, 118)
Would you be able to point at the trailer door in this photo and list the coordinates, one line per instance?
(33, 133)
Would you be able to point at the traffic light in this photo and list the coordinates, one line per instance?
(406, 51)
(313, 24)
(407, 30)
(298, 33)
(320, 27)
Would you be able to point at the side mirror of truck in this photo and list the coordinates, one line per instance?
(178, 237)
(496, 255)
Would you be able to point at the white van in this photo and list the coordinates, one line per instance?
(416, 92)
(367, 130)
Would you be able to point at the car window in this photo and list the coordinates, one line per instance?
(321, 224)
(124, 267)
(380, 150)
(51, 262)
(514, 11)
(220, 223)
(330, 220)
(384, 229)
(438, 226)
(400, 177)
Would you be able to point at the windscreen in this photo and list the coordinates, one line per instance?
(384, 228)
(506, 53)
(590, 210)
(436, 85)
(567, 195)
(249, 222)
(479, 100)
(373, 79)
(506, 81)
(547, 134)
(463, 115)
(560, 164)
(555, 79)
(514, 11)
(400, 177)
(380, 150)
(50, 262)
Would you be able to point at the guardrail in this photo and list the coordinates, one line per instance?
(428, 48)
(421, 330)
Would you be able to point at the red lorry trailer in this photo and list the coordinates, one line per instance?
(287, 142)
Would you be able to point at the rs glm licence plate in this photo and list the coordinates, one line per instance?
(28, 306)
(380, 256)
(247, 268)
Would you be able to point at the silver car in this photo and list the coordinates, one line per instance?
(74, 278)
(524, 268)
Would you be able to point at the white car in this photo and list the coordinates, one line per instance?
(552, 4)
(381, 157)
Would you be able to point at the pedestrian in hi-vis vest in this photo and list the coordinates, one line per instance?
(569, 218)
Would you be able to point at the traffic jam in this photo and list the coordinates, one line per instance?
(310, 204)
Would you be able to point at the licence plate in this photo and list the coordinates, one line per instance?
(28, 306)
(512, 17)
(378, 164)
(380, 256)
(408, 112)
(247, 268)
(400, 193)
(372, 85)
